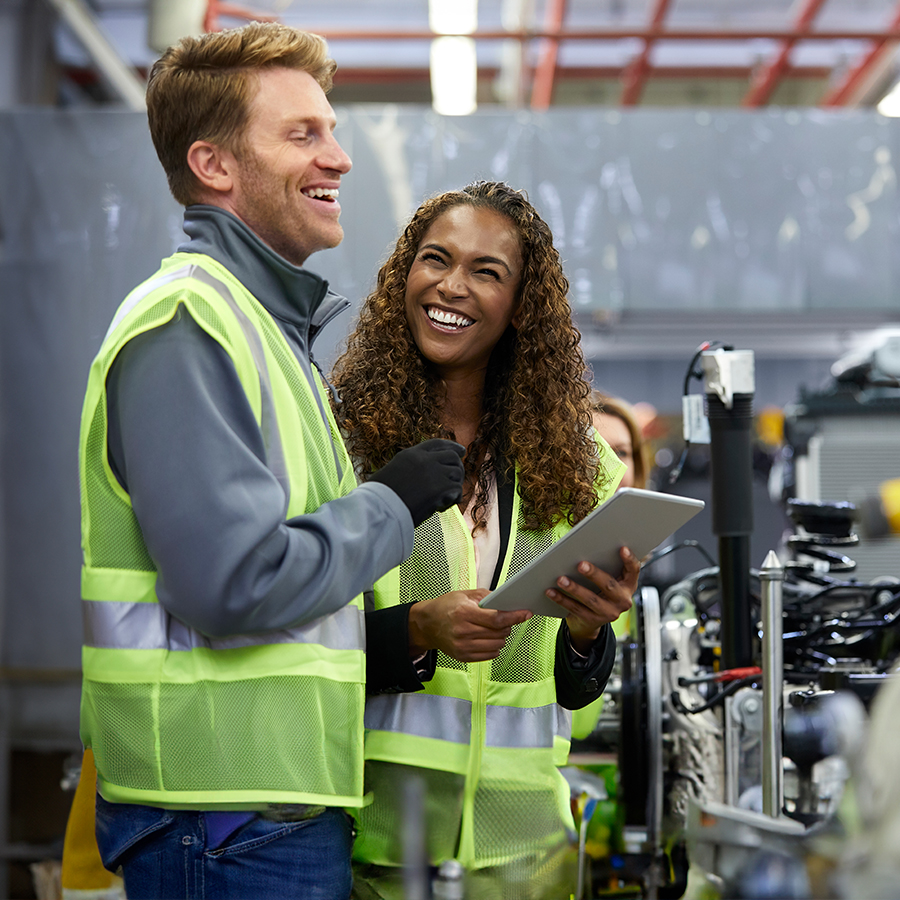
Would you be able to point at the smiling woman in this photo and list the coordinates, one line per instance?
(461, 295)
(468, 335)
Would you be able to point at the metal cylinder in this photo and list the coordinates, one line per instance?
(728, 386)
(771, 579)
(731, 466)
(170, 20)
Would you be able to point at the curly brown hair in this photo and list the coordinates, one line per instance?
(536, 413)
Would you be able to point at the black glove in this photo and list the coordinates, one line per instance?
(428, 478)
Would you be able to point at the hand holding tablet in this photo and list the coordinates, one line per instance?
(633, 518)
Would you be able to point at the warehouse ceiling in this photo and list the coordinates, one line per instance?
(538, 53)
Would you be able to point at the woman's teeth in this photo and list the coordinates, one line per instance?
(442, 317)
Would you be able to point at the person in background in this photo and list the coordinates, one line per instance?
(226, 543)
(615, 421)
(468, 336)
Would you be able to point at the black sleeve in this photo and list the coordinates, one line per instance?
(578, 682)
(389, 670)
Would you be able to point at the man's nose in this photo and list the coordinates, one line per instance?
(335, 157)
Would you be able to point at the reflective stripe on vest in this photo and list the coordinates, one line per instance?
(450, 719)
(490, 735)
(118, 625)
(563, 722)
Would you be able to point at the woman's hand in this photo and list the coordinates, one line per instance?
(589, 610)
(457, 625)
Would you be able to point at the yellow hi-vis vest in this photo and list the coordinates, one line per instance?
(177, 719)
(486, 738)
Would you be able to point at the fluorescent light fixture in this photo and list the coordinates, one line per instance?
(453, 16)
(454, 65)
(889, 105)
(454, 77)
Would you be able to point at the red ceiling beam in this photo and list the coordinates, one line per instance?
(545, 72)
(636, 72)
(843, 92)
(350, 75)
(765, 81)
(652, 34)
(675, 72)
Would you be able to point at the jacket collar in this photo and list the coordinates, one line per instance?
(291, 293)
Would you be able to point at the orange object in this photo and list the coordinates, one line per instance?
(83, 874)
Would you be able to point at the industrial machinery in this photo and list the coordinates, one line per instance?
(743, 693)
(843, 442)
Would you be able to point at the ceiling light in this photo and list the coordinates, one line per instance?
(454, 63)
(889, 105)
(454, 77)
(453, 16)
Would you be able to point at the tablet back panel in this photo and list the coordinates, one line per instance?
(634, 518)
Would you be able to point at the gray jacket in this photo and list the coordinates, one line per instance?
(185, 445)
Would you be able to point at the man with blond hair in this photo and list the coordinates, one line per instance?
(226, 542)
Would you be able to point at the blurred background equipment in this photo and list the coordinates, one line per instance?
(878, 514)
(842, 443)
(735, 725)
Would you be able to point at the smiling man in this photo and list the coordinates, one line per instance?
(226, 543)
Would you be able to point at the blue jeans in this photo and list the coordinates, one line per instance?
(165, 855)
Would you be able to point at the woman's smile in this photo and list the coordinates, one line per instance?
(462, 289)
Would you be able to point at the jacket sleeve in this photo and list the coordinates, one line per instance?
(185, 445)
(579, 681)
(389, 670)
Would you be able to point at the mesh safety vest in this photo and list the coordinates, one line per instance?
(485, 737)
(176, 719)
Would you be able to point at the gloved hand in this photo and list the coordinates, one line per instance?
(428, 478)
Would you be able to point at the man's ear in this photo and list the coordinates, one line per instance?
(212, 165)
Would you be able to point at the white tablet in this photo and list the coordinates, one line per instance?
(634, 518)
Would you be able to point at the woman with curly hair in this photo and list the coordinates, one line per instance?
(468, 336)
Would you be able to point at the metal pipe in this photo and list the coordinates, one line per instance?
(732, 751)
(765, 81)
(653, 673)
(120, 75)
(636, 72)
(842, 92)
(772, 577)
(545, 72)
